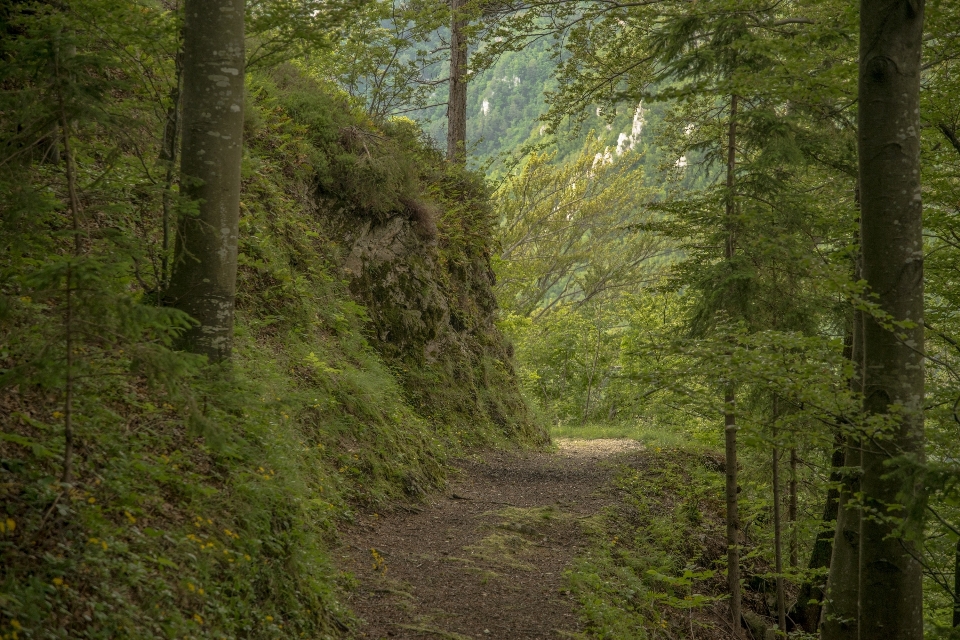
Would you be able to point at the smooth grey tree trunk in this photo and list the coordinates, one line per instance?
(457, 101)
(203, 282)
(891, 33)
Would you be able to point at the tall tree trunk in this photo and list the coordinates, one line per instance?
(729, 407)
(792, 512)
(777, 533)
(807, 610)
(457, 102)
(203, 282)
(841, 606)
(168, 155)
(891, 32)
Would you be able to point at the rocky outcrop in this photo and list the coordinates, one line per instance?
(430, 299)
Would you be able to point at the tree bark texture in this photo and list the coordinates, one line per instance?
(203, 282)
(457, 101)
(891, 32)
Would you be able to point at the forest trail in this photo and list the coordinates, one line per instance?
(484, 559)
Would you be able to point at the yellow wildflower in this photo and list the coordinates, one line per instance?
(57, 582)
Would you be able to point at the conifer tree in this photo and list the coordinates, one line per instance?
(457, 101)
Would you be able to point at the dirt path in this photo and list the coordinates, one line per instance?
(486, 558)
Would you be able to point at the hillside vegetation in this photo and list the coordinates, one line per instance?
(246, 302)
(205, 498)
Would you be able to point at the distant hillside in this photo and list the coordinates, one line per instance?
(506, 101)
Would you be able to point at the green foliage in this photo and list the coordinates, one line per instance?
(574, 234)
(773, 315)
(574, 248)
(656, 563)
(389, 58)
(279, 30)
(203, 499)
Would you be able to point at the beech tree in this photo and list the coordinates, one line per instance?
(891, 33)
(203, 282)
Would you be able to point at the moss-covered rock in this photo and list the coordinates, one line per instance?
(414, 238)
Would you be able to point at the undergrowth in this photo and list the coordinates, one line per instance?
(656, 565)
(204, 499)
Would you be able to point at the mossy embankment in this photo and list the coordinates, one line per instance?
(205, 498)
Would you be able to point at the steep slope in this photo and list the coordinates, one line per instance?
(205, 498)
